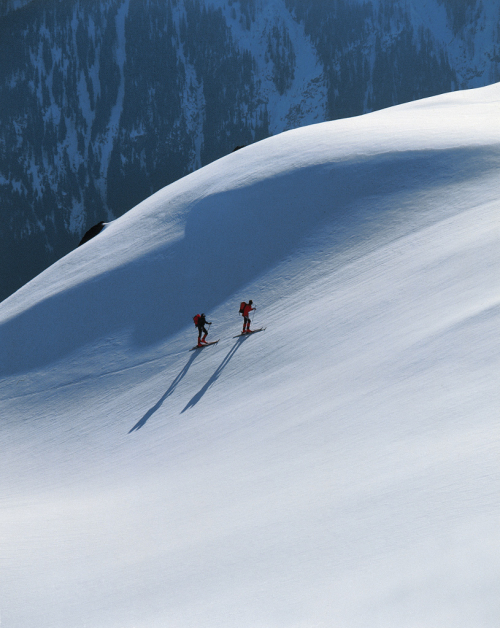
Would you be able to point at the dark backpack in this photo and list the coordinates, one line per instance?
(196, 318)
(242, 307)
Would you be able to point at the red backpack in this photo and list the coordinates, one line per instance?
(242, 307)
(196, 318)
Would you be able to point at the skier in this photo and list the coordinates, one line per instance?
(200, 321)
(245, 310)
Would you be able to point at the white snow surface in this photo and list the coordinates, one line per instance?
(340, 468)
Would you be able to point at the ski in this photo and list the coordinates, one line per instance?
(254, 331)
(207, 344)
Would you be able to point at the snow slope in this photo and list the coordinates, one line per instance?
(338, 469)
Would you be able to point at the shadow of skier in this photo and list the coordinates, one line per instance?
(170, 390)
(216, 375)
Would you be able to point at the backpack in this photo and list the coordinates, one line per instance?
(196, 318)
(242, 306)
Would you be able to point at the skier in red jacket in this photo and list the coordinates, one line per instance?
(246, 319)
(200, 321)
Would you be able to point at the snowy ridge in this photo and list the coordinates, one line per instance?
(338, 469)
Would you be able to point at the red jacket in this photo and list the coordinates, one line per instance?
(248, 309)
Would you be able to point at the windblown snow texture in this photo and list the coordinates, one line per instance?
(340, 469)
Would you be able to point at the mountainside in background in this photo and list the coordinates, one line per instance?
(339, 468)
(104, 103)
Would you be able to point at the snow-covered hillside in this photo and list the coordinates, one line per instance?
(339, 468)
(105, 103)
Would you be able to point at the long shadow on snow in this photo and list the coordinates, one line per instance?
(170, 390)
(231, 238)
(216, 375)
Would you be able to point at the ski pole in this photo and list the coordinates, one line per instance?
(254, 310)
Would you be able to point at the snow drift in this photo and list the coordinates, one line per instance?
(339, 468)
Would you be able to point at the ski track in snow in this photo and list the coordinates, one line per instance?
(339, 468)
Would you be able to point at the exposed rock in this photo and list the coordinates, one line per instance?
(92, 232)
